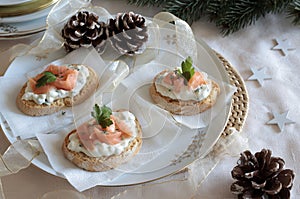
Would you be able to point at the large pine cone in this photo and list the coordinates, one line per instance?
(261, 175)
(83, 29)
(128, 33)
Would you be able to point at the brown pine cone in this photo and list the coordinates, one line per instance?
(128, 33)
(261, 175)
(83, 29)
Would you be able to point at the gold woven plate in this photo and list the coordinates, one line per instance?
(25, 8)
(240, 99)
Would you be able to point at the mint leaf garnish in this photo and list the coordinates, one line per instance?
(47, 77)
(102, 115)
(187, 69)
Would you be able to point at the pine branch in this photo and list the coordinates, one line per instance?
(294, 11)
(276, 6)
(229, 15)
(147, 2)
(216, 9)
(188, 10)
(238, 15)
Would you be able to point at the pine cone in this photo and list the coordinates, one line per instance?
(83, 29)
(261, 175)
(128, 33)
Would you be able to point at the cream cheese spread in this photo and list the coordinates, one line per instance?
(54, 94)
(103, 149)
(198, 94)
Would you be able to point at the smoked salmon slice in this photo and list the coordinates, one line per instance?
(65, 79)
(110, 138)
(174, 80)
(120, 125)
(196, 80)
(89, 133)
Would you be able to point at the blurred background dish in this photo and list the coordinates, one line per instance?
(23, 29)
(25, 8)
(12, 2)
(27, 17)
(23, 18)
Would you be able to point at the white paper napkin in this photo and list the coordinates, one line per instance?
(159, 131)
(21, 124)
(203, 119)
(140, 81)
(152, 147)
(79, 178)
(27, 126)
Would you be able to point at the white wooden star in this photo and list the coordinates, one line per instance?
(259, 75)
(283, 45)
(280, 120)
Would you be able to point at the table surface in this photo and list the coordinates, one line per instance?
(251, 47)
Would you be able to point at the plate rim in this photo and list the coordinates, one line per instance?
(15, 3)
(25, 8)
(19, 34)
(27, 17)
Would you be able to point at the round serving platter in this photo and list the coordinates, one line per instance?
(186, 148)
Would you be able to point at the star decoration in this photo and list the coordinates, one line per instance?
(280, 120)
(283, 45)
(259, 75)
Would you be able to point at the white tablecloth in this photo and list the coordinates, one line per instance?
(251, 47)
